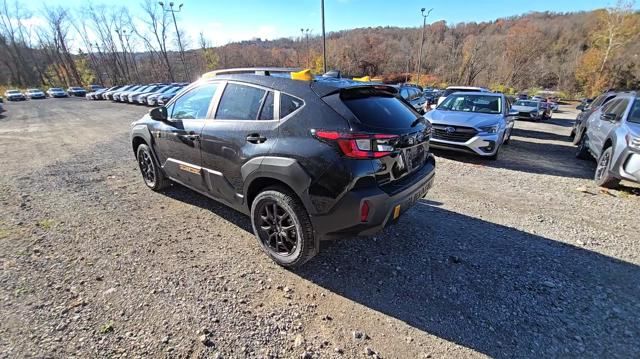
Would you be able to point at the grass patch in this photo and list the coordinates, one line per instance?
(46, 224)
(4, 233)
(106, 328)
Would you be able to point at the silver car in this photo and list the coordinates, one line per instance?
(474, 122)
(529, 110)
(613, 138)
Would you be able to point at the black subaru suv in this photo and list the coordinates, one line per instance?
(306, 160)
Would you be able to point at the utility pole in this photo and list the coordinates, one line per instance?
(175, 23)
(308, 48)
(324, 40)
(131, 53)
(124, 53)
(424, 24)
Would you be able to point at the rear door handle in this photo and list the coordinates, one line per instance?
(256, 138)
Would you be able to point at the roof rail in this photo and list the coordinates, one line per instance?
(264, 71)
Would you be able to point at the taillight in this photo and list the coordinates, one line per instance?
(359, 145)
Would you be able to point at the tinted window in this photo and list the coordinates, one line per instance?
(194, 104)
(404, 93)
(415, 93)
(381, 111)
(634, 114)
(620, 108)
(267, 107)
(289, 104)
(608, 108)
(240, 102)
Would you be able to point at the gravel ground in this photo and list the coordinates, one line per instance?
(521, 257)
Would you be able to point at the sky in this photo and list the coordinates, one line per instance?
(224, 21)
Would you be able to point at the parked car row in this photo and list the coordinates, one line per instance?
(53, 92)
(151, 94)
(608, 130)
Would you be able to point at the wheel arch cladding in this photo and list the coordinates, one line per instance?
(140, 135)
(273, 171)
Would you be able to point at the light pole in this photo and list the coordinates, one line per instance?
(324, 40)
(175, 23)
(424, 24)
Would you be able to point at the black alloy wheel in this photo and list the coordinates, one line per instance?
(283, 227)
(151, 173)
(278, 229)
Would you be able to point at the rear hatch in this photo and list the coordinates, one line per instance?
(396, 130)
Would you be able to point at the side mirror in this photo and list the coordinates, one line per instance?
(611, 117)
(159, 114)
(580, 107)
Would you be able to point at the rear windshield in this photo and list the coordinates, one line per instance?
(384, 111)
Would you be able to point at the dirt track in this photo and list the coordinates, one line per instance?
(522, 257)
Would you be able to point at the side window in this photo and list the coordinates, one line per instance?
(634, 114)
(608, 108)
(289, 104)
(194, 104)
(607, 99)
(404, 93)
(267, 107)
(240, 102)
(620, 108)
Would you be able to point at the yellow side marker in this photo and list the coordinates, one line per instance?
(304, 75)
(362, 79)
(396, 212)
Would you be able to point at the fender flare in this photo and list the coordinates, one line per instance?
(285, 170)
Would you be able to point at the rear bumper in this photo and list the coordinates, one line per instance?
(344, 219)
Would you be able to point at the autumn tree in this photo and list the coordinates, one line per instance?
(614, 28)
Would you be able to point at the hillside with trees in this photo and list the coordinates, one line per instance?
(578, 53)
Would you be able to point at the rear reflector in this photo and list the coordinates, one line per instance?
(359, 145)
(364, 211)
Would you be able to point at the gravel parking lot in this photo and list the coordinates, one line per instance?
(520, 257)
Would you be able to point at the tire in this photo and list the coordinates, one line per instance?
(576, 137)
(494, 156)
(292, 215)
(582, 152)
(151, 172)
(603, 177)
(507, 139)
